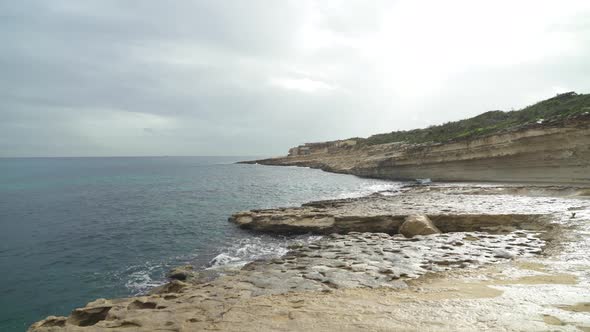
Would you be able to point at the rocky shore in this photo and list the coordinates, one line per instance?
(439, 257)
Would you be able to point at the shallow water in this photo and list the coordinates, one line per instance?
(76, 229)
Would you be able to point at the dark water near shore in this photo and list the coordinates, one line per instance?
(76, 229)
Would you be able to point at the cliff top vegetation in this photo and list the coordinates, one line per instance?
(557, 108)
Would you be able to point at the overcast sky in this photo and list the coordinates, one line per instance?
(113, 78)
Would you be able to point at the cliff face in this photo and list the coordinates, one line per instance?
(553, 153)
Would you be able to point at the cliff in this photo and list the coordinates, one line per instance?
(550, 150)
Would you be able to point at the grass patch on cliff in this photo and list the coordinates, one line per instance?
(554, 109)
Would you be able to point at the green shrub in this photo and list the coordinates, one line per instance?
(560, 106)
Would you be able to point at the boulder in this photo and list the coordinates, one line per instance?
(418, 225)
(181, 273)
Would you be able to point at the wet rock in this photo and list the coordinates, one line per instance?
(418, 225)
(181, 273)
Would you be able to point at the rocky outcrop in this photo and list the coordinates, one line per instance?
(545, 153)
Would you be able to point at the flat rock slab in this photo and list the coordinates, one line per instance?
(451, 208)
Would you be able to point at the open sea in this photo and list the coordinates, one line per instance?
(76, 229)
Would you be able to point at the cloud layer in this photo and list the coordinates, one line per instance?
(94, 78)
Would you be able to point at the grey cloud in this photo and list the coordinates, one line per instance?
(197, 77)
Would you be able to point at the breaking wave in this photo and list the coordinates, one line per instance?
(248, 250)
(141, 278)
(387, 188)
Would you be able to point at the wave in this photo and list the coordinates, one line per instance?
(141, 278)
(389, 188)
(256, 248)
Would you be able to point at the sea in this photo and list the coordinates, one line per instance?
(76, 229)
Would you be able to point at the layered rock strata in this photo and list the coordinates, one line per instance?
(556, 153)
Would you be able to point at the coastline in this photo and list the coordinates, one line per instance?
(528, 230)
(539, 153)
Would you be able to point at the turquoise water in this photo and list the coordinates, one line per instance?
(76, 229)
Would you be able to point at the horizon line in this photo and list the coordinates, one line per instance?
(121, 156)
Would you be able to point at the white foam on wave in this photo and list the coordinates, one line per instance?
(248, 250)
(140, 278)
(388, 188)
